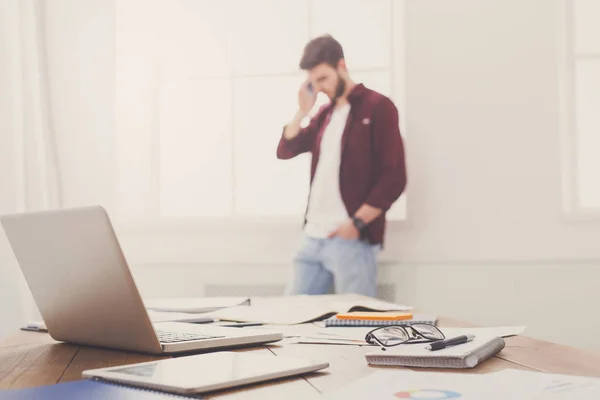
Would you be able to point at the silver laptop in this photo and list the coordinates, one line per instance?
(82, 285)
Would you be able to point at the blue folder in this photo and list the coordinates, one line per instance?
(85, 390)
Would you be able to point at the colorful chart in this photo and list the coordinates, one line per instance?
(428, 394)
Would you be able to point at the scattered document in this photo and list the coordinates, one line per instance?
(501, 331)
(291, 331)
(195, 304)
(502, 385)
(550, 386)
(337, 335)
(406, 384)
(330, 340)
(300, 309)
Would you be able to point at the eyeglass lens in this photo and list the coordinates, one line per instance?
(393, 335)
(428, 331)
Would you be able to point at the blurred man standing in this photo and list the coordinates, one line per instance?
(357, 173)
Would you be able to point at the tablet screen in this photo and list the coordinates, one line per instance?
(207, 372)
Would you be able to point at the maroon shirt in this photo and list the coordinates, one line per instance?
(372, 169)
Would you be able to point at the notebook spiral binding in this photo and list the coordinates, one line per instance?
(417, 362)
(373, 323)
(149, 389)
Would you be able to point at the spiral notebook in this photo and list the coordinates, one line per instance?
(466, 355)
(416, 319)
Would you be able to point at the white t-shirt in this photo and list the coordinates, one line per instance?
(326, 210)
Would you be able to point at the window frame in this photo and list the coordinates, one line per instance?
(567, 59)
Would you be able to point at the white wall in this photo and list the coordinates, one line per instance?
(483, 120)
(7, 178)
(80, 42)
(10, 289)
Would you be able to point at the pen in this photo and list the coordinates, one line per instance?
(239, 324)
(442, 344)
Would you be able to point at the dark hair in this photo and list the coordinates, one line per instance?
(322, 49)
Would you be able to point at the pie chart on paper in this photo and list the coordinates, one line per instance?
(428, 394)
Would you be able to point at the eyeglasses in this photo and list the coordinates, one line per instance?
(389, 336)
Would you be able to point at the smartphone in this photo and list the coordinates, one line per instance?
(309, 87)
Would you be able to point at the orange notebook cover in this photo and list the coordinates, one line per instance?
(376, 316)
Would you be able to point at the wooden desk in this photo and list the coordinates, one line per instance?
(32, 359)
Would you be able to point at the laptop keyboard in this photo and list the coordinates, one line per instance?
(174, 337)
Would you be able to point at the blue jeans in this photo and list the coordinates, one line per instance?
(348, 265)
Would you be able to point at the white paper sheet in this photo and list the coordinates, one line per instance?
(159, 316)
(502, 385)
(317, 340)
(550, 386)
(404, 384)
(502, 331)
(292, 331)
(194, 304)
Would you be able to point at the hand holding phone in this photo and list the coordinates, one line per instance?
(306, 97)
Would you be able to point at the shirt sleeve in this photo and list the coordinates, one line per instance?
(304, 141)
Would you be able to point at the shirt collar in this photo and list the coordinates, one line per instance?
(356, 93)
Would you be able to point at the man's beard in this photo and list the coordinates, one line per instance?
(339, 90)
